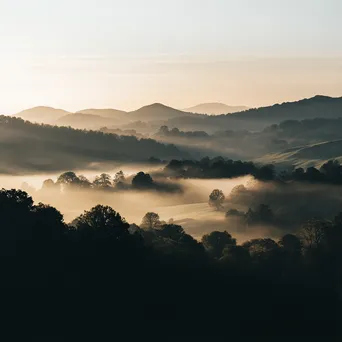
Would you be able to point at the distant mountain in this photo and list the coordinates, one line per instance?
(85, 121)
(257, 119)
(98, 117)
(159, 114)
(156, 111)
(27, 147)
(305, 156)
(106, 113)
(215, 108)
(42, 114)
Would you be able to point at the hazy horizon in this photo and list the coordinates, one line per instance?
(126, 55)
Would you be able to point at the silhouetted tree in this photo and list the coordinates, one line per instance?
(49, 184)
(263, 250)
(216, 242)
(262, 215)
(119, 177)
(142, 181)
(291, 244)
(150, 221)
(104, 221)
(68, 180)
(216, 199)
(313, 232)
(103, 181)
(84, 182)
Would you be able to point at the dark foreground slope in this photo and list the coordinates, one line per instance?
(33, 147)
(99, 276)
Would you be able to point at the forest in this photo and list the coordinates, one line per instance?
(29, 147)
(158, 271)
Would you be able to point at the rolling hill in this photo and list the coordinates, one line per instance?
(251, 119)
(156, 112)
(305, 156)
(97, 118)
(215, 108)
(28, 147)
(106, 113)
(259, 118)
(85, 121)
(42, 114)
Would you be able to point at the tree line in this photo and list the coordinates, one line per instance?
(156, 271)
(329, 173)
(29, 146)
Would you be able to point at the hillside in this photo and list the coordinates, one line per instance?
(305, 156)
(159, 114)
(85, 121)
(156, 112)
(257, 119)
(215, 108)
(42, 114)
(106, 113)
(28, 147)
(96, 118)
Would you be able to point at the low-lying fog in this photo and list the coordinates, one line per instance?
(190, 208)
(291, 203)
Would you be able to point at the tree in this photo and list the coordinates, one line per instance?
(103, 221)
(119, 177)
(171, 231)
(84, 182)
(103, 181)
(142, 181)
(313, 232)
(216, 199)
(238, 190)
(291, 244)
(150, 221)
(332, 169)
(262, 249)
(172, 239)
(236, 255)
(216, 242)
(48, 223)
(262, 215)
(265, 173)
(48, 184)
(68, 178)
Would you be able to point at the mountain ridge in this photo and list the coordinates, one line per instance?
(214, 108)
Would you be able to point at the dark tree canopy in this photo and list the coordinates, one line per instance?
(216, 242)
(142, 181)
(102, 220)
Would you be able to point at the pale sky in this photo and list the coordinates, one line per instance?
(75, 54)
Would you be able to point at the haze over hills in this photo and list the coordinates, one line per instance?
(100, 117)
(306, 156)
(85, 121)
(156, 111)
(106, 112)
(159, 114)
(42, 114)
(257, 119)
(29, 147)
(215, 108)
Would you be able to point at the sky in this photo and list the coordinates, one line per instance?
(76, 54)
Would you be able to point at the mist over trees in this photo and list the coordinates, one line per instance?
(32, 147)
(99, 255)
(267, 250)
